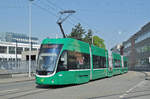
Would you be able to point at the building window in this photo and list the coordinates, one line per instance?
(143, 49)
(34, 49)
(142, 37)
(144, 61)
(11, 50)
(127, 45)
(19, 50)
(26, 49)
(3, 49)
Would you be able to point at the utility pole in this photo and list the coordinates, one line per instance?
(30, 30)
(92, 39)
(16, 54)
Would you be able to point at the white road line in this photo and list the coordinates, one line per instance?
(122, 96)
(132, 88)
(10, 90)
(21, 94)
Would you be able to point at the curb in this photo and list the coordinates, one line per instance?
(14, 81)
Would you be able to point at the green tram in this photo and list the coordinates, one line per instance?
(69, 61)
(117, 64)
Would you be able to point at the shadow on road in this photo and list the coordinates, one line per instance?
(64, 86)
(56, 86)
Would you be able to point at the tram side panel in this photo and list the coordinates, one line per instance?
(72, 66)
(78, 62)
(117, 65)
(99, 67)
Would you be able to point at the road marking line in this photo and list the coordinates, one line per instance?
(26, 93)
(3, 91)
(132, 88)
(122, 96)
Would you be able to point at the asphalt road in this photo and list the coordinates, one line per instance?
(131, 85)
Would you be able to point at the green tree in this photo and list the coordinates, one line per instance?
(80, 34)
(88, 37)
(77, 33)
(99, 42)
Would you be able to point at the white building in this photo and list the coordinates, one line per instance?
(12, 45)
(13, 51)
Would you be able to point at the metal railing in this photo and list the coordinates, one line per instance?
(140, 68)
(17, 66)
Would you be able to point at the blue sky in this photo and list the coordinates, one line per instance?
(113, 20)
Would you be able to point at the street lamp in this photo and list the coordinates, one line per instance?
(30, 30)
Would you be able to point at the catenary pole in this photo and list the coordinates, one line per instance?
(30, 30)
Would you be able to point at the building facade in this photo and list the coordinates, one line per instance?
(17, 37)
(12, 45)
(137, 48)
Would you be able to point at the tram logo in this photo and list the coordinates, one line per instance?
(42, 80)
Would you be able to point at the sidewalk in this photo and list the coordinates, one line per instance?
(16, 79)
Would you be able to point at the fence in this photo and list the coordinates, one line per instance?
(17, 67)
(140, 68)
(23, 67)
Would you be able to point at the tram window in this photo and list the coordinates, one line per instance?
(125, 64)
(104, 62)
(95, 62)
(62, 64)
(87, 61)
(99, 62)
(77, 60)
(117, 63)
(73, 60)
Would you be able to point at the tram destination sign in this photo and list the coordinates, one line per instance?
(50, 46)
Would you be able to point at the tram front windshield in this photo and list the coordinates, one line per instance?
(48, 57)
